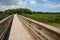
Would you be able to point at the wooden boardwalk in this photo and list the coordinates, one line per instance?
(18, 31)
(23, 28)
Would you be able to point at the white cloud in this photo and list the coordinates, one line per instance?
(21, 4)
(33, 2)
(17, 4)
(51, 5)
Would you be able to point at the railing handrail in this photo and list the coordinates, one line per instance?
(5, 25)
(5, 19)
(49, 28)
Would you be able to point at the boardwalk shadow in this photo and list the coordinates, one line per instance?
(6, 37)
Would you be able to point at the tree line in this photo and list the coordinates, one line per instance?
(21, 11)
(8, 12)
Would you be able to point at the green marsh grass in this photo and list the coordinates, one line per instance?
(50, 19)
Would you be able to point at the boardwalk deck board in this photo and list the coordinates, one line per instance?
(18, 31)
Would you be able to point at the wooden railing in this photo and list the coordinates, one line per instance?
(40, 31)
(4, 25)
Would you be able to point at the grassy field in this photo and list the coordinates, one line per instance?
(50, 19)
(2, 16)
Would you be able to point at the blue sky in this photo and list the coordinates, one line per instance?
(34, 5)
